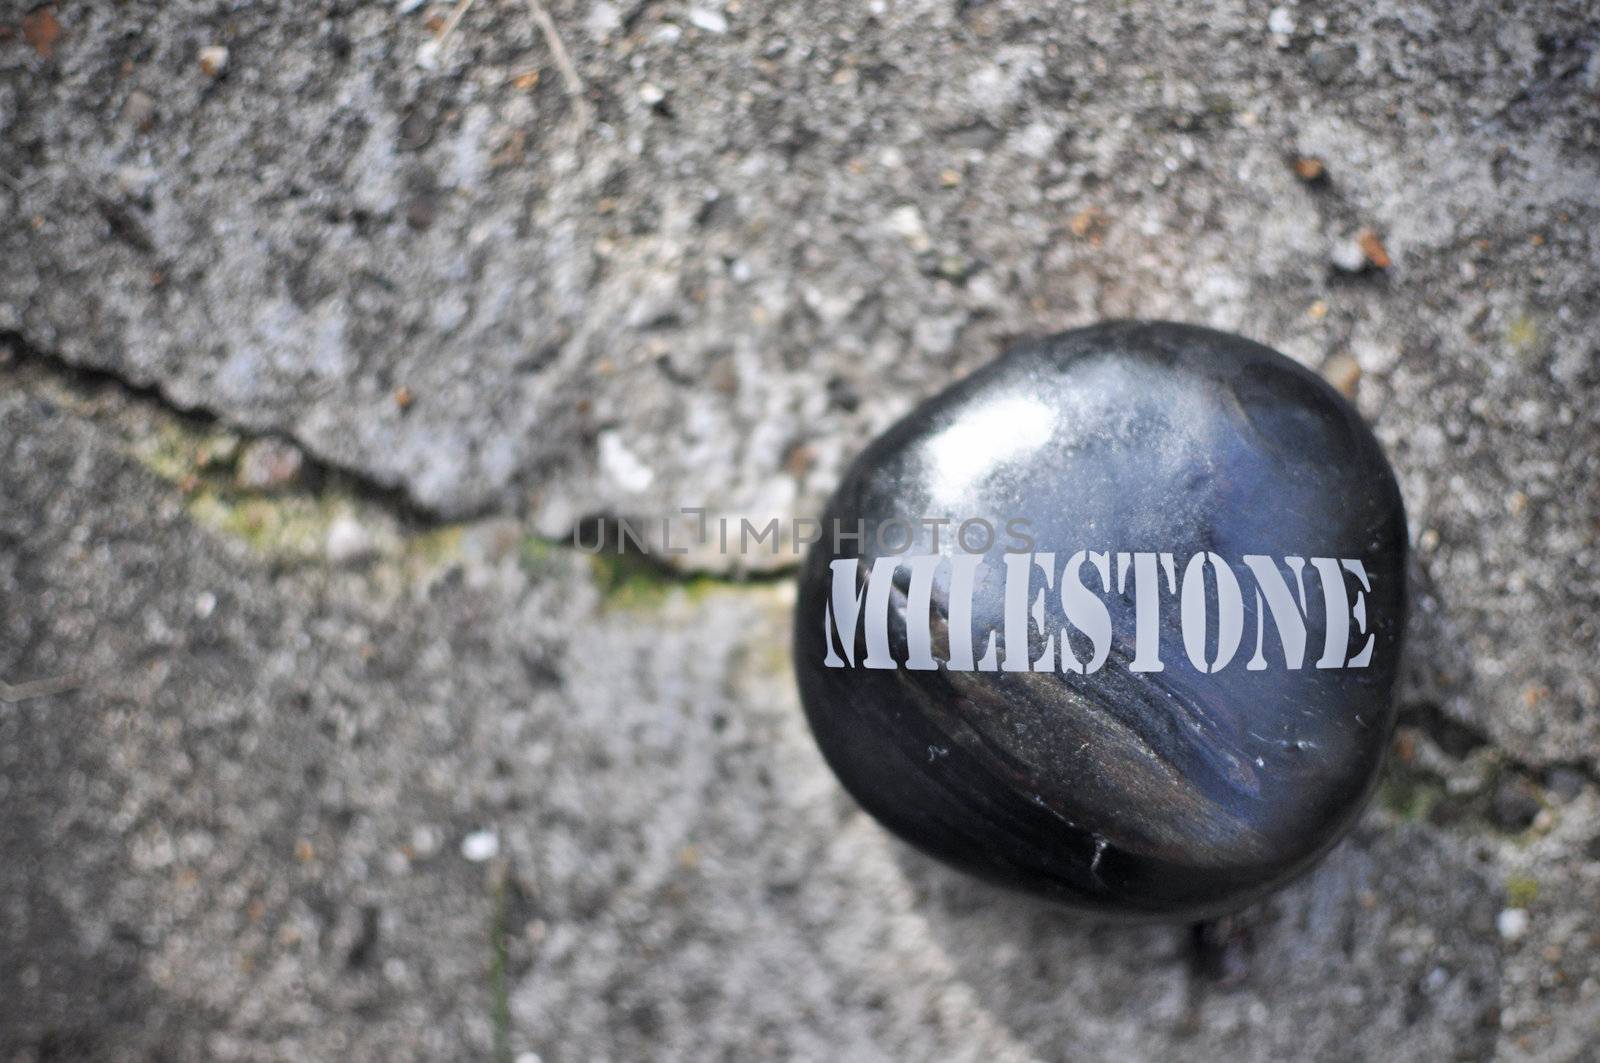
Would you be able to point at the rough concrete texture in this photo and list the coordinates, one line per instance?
(757, 234)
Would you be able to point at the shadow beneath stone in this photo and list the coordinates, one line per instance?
(1387, 949)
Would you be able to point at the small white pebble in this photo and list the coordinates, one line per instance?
(603, 20)
(708, 20)
(348, 540)
(213, 59)
(136, 181)
(424, 840)
(651, 94)
(1348, 256)
(480, 845)
(1281, 21)
(1512, 923)
(906, 221)
(622, 465)
(205, 604)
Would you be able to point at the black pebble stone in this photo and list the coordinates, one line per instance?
(1170, 794)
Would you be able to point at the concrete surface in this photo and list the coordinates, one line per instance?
(315, 350)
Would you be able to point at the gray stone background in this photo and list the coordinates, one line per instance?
(323, 324)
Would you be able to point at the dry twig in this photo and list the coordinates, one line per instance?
(558, 51)
(12, 693)
(456, 16)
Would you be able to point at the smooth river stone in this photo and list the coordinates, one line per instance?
(1175, 793)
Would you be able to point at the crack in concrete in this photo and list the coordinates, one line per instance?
(17, 352)
(20, 357)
